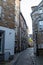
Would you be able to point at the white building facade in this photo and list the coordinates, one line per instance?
(7, 41)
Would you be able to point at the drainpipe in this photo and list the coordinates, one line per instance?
(19, 32)
(37, 53)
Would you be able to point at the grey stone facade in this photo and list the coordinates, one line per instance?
(37, 20)
(22, 34)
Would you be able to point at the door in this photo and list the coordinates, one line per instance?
(1, 41)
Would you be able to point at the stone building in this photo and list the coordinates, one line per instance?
(17, 20)
(24, 32)
(37, 20)
(9, 22)
(22, 35)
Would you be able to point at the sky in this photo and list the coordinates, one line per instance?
(26, 11)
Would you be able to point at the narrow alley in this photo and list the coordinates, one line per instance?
(27, 57)
(21, 32)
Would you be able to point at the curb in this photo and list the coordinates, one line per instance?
(13, 62)
(17, 58)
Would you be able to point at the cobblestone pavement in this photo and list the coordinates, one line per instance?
(11, 62)
(26, 57)
(38, 60)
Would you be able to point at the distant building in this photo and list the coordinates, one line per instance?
(37, 20)
(31, 36)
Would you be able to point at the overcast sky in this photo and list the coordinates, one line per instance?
(26, 10)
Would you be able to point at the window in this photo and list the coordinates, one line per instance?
(4, 0)
(0, 9)
(0, 44)
(7, 7)
(0, 41)
(40, 11)
(0, 12)
(40, 26)
(3, 17)
(41, 23)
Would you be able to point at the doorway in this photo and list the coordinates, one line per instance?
(1, 41)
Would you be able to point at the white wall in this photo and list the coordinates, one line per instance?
(9, 40)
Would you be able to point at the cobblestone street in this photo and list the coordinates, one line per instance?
(26, 57)
(39, 60)
(21, 32)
